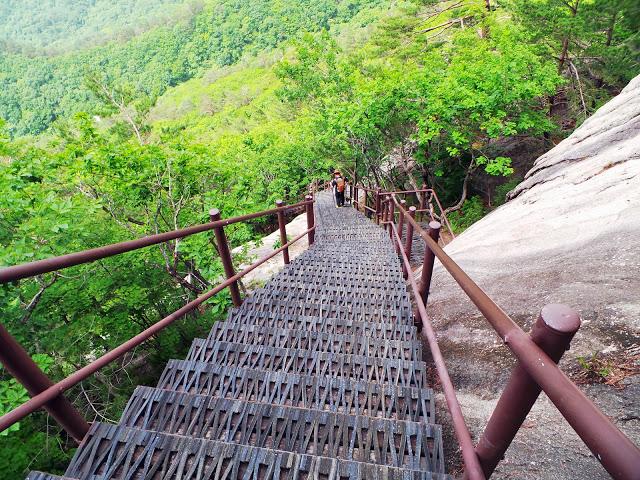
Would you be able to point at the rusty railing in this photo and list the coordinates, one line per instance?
(48, 395)
(375, 204)
(536, 371)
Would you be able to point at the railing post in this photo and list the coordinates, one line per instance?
(225, 256)
(423, 196)
(283, 231)
(401, 223)
(21, 367)
(378, 206)
(392, 216)
(408, 241)
(427, 263)
(366, 204)
(385, 212)
(310, 220)
(552, 332)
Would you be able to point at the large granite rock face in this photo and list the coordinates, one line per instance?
(570, 234)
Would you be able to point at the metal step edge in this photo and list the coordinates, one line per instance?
(411, 374)
(381, 330)
(36, 475)
(264, 297)
(324, 309)
(240, 332)
(413, 445)
(111, 449)
(323, 393)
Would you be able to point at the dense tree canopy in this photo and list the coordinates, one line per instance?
(234, 105)
(35, 91)
(55, 26)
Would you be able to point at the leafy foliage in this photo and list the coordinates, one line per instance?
(472, 210)
(233, 106)
(36, 91)
(54, 26)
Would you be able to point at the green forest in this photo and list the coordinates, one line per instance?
(118, 121)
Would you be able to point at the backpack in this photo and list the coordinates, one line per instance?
(340, 184)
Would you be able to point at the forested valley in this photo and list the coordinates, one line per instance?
(118, 122)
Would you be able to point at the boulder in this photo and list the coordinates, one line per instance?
(569, 234)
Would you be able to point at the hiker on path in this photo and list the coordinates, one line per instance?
(339, 184)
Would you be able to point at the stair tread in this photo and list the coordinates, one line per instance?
(115, 451)
(403, 444)
(412, 374)
(329, 393)
(353, 344)
(323, 308)
(382, 330)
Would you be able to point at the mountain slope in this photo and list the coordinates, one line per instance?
(34, 92)
(54, 26)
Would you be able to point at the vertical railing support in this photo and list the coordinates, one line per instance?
(377, 219)
(552, 332)
(283, 231)
(422, 197)
(427, 263)
(385, 212)
(392, 216)
(310, 220)
(21, 367)
(409, 241)
(225, 256)
(401, 210)
(366, 203)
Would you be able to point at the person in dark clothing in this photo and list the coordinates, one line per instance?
(339, 184)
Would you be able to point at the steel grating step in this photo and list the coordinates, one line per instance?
(371, 272)
(116, 452)
(347, 287)
(334, 394)
(338, 279)
(305, 362)
(387, 330)
(362, 295)
(329, 259)
(34, 475)
(321, 268)
(345, 256)
(395, 443)
(380, 302)
(325, 309)
(241, 332)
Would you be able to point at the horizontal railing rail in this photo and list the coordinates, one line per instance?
(426, 196)
(471, 462)
(47, 265)
(619, 456)
(45, 393)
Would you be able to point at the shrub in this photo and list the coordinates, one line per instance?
(500, 193)
(472, 210)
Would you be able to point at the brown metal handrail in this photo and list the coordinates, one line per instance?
(379, 208)
(49, 395)
(47, 265)
(619, 456)
(470, 459)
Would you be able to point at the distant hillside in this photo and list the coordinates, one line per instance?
(54, 26)
(34, 92)
(238, 98)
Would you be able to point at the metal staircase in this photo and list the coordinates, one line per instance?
(318, 375)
